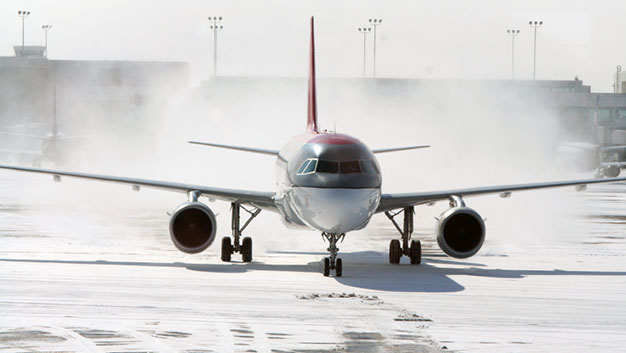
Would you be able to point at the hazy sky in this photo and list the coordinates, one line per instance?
(417, 39)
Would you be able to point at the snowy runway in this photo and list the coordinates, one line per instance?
(107, 279)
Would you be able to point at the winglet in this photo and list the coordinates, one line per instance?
(312, 109)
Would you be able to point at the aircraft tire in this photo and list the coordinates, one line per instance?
(415, 252)
(227, 249)
(246, 249)
(395, 251)
(326, 267)
(338, 268)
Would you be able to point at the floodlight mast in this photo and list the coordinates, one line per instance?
(23, 15)
(535, 25)
(364, 31)
(216, 25)
(46, 28)
(374, 22)
(513, 33)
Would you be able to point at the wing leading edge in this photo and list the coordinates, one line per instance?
(238, 148)
(395, 201)
(264, 200)
(397, 149)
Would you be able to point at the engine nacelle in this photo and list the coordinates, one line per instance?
(611, 171)
(460, 232)
(192, 227)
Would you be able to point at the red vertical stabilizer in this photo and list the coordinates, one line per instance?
(312, 111)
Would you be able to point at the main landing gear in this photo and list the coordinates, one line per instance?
(413, 249)
(244, 247)
(332, 262)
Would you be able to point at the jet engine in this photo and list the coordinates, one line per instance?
(611, 171)
(460, 232)
(192, 227)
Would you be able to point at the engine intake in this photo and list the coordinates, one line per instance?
(460, 232)
(192, 227)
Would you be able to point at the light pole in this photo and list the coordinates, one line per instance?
(374, 22)
(46, 28)
(216, 25)
(23, 15)
(364, 31)
(535, 25)
(513, 33)
(616, 85)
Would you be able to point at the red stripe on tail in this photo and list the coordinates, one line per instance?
(312, 111)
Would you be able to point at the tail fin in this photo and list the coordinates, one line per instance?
(54, 113)
(595, 132)
(312, 109)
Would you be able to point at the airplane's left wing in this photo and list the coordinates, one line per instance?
(264, 200)
(397, 149)
(395, 201)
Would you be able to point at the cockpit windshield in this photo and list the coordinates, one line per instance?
(314, 165)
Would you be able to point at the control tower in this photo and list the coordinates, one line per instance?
(30, 51)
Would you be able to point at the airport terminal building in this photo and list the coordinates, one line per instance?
(33, 88)
(93, 93)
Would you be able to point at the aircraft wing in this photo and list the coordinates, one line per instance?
(396, 149)
(21, 151)
(264, 200)
(613, 148)
(614, 164)
(238, 148)
(20, 135)
(395, 201)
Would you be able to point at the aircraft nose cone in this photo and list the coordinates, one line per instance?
(335, 210)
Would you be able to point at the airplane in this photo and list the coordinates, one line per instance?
(327, 182)
(587, 156)
(50, 147)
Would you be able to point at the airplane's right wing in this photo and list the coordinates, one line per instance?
(264, 200)
(395, 201)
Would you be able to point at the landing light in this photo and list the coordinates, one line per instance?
(505, 195)
(582, 187)
(56, 178)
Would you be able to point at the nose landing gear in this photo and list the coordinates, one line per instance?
(413, 249)
(332, 262)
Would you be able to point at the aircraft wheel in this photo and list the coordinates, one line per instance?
(338, 268)
(395, 251)
(246, 249)
(227, 249)
(415, 252)
(326, 267)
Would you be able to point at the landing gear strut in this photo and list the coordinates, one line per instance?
(332, 262)
(244, 247)
(413, 249)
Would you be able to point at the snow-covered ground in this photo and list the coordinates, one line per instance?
(90, 268)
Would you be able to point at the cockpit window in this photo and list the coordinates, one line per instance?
(366, 167)
(303, 166)
(349, 167)
(308, 167)
(313, 165)
(325, 166)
